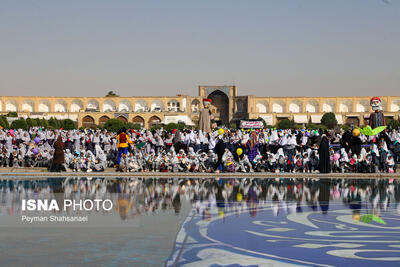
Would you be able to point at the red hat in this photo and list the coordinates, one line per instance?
(375, 98)
(207, 100)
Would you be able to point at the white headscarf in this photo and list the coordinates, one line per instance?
(274, 136)
(292, 140)
(279, 153)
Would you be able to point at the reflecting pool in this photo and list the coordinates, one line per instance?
(200, 222)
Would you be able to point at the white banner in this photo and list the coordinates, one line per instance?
(252, 124)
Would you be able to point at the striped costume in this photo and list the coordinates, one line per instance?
(376, 119)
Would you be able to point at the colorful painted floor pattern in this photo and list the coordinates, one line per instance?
(287, 234)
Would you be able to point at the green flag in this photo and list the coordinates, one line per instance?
(140, 145)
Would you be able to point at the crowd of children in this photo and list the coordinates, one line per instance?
(188, 150)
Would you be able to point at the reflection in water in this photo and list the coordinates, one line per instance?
(135, 196)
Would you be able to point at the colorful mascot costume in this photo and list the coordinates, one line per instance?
(205, 116)
(376, 119)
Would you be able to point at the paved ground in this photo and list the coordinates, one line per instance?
(110, 172)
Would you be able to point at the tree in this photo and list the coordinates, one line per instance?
(4, 122)
(345, 127)
(311, 126)
(43, 122)
(12, 114)
(38, 122)
(285, 124)
(263, 121)
(394, 124)
(113, 125)
(129, 125)
(30, 122)
(19, 124)
(68, 124)
(156, 127)
(170, 126)
(136, 126)
(329, 120)
(111, 94)
(53, 123)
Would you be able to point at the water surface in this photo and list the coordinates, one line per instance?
(201, 222)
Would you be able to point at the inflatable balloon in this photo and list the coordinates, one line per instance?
(11, 131)
(239, 197)
(308, 134)
(220, 131)
(368, 131)
(356, 132)
(356, 217)
(239, 151)
(336, 156)
(221, 214)
(35, 151)
(336, 194)
(37, 140)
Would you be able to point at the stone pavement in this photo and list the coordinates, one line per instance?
(110, 172)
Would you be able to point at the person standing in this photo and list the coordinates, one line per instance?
(323, 151)
(58, 158)
(122, 144)
(219, 150)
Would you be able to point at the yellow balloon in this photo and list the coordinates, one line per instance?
(239, 151)
(356, 132)
(220, 131)
(221, 214)
(239, 197)
(356, 217)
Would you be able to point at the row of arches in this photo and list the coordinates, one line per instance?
(77, 105)
(88, 120)
(296, 106)
(262, 106)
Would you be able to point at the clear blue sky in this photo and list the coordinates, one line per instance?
(266, 48)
